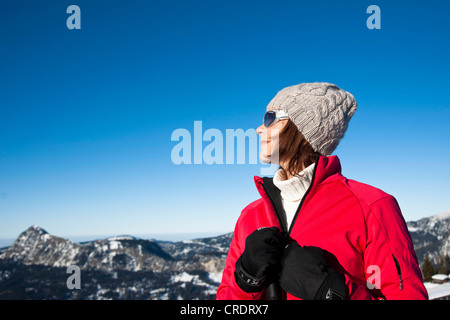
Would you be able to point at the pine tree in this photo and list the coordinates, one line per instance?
(441, 266)
(447, 263)
(427, 270)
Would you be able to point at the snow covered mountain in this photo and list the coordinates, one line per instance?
(36, 247)
(431, 236)
(123, 267)
(126, 267)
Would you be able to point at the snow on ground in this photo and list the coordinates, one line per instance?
(215, 276)
(436, 291)
(183, 277)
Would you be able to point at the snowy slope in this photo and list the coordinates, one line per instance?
(431, 236)
(122, 267)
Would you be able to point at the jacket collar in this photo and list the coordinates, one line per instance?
(327, 169)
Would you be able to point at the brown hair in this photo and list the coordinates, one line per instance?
(294, 149)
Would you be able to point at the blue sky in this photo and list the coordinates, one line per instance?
(86, 116)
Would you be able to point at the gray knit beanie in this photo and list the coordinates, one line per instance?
(320, 110)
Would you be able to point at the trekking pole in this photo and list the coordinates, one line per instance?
(273, 291)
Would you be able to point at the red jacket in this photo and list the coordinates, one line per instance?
(361, 229)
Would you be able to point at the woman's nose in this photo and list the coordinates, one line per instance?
(260, 129)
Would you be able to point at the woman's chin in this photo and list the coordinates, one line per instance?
(264, 158)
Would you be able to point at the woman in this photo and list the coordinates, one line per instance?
(313, 232)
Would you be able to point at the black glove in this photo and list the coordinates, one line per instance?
(261, 260)
(306, 275)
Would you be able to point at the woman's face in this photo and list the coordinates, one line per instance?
(270, 142)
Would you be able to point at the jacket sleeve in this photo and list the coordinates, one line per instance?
(228, 288)
(391, 266)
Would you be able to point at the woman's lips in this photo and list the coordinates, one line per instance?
(264, 143)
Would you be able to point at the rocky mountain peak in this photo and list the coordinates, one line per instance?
(37, 246)
(34, 233)
(431, 236)
(120, 267)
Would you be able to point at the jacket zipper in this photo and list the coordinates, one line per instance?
(399, 271)
(303, 199)
(284, 294)
(274, 208)
(299, 207)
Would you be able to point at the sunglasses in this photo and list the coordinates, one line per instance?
(272, 116)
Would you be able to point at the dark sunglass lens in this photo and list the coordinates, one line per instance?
(269, 118)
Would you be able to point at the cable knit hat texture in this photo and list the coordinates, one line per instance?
(320, 110)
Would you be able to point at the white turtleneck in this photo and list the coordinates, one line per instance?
(293, 190)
